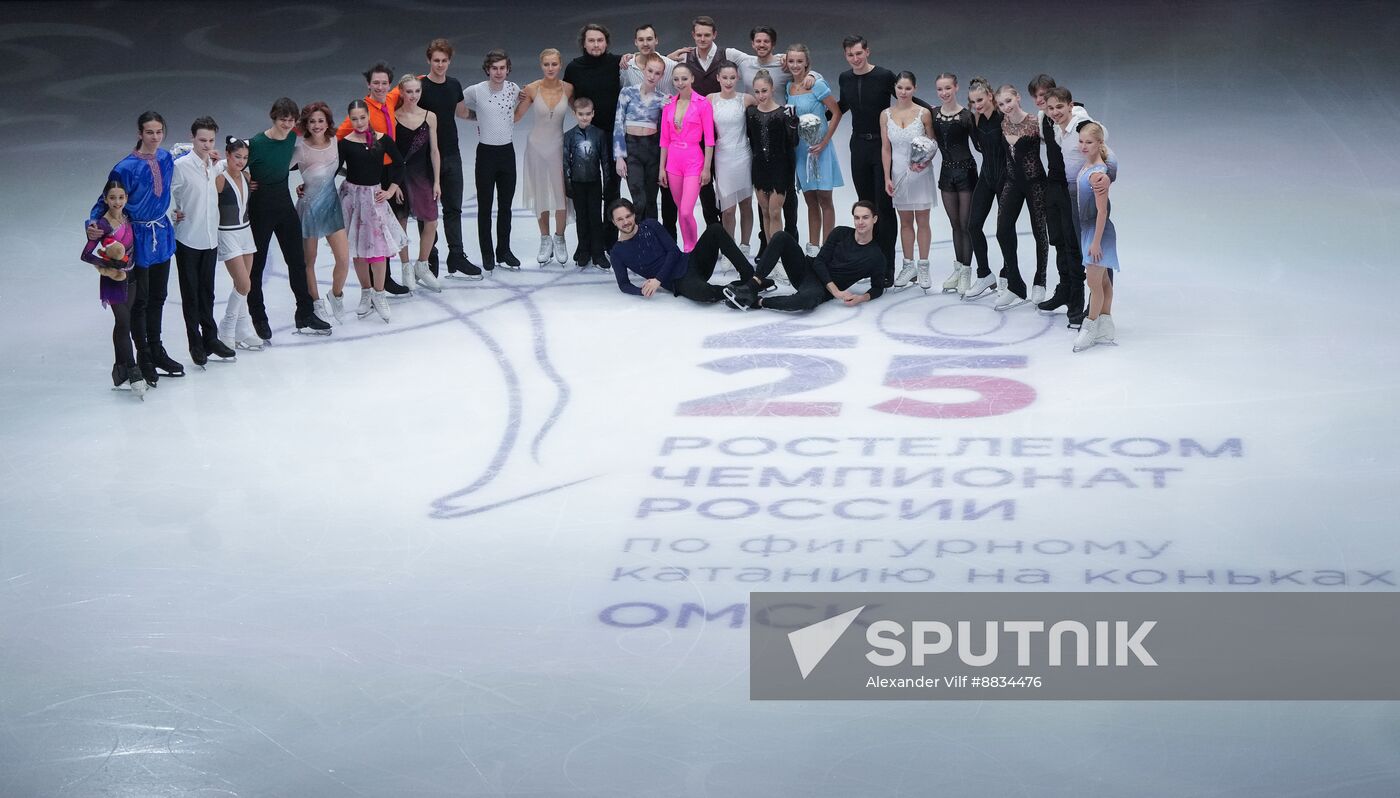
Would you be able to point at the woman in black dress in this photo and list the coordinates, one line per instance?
(953, 129)
(772, 132)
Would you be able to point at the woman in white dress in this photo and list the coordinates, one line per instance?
(544, 154)
(911, 187)
(733, 160)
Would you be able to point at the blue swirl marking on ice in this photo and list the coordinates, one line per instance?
(1017, 325)
(199, 40)
(447, 506)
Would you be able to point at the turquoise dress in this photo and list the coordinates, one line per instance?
(1089, 218)
(826, 174)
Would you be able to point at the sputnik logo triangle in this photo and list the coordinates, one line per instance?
(810, 644)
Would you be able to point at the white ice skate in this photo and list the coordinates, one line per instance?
(925, 280)
(379, 300)
(1087, 332)
(980, 287)
(907, 273)
(425, 277)
(366, 304)
(951, 284)
(1104, 332)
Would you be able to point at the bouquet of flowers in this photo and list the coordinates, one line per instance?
(921, 151)
(809, 129)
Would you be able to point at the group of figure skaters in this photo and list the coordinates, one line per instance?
(703, 126)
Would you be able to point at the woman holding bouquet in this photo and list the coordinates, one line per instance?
(817, 171)
(908, 180)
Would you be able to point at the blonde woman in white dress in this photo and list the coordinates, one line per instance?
(544, 155)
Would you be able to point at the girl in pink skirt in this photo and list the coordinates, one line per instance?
(375, 235)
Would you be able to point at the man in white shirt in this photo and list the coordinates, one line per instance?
(646, 41)
(195, 205)
(492, 103)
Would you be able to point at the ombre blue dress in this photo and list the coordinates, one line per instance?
(1089, 218)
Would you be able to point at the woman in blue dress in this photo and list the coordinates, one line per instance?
(146, 174)
(1097, 240)
(817, 170)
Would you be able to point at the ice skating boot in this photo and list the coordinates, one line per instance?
(322, 309)
(139, 386)
(221, 352)
(1057, 300)
(166, 365)
(964, 278)
(561, 251)
(1006, 298)
(740, 295)
(923, 276)
(1103, 330)
(147, 368)
(380, 301)
(406, 275)
(951, 284)
(245, 336)
(1085, 338)
(312, 324)
(546, 253)
(1037, 295)
(425, 277)
(812, 250)
(337, 306)
(980, 287)
(907, 274)
(366, 304)
(391, 287)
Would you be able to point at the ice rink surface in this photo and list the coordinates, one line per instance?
(442, 556)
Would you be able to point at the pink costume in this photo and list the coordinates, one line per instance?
(685, 158)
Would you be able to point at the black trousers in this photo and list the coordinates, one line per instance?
(982, 196)
(148, 309)
(125, 334)
(811, 292)
(1059, 221)
(1014, 195)
(195, 268)
(643, 172)
(450, 222)
(271, 212)
(588, 219)
(495, 185)
(612, 189)
(868, 175)
(695, 283)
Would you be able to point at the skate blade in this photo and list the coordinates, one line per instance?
(1084, 348)
(233, 359)
(733, 301)
(1012, 306)
(461, 276)
(309, 331)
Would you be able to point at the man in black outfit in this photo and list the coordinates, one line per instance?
(849, 255)
(866, 90)
(443, 96)
(596, 75)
